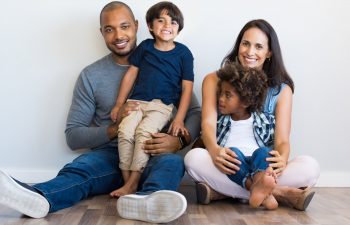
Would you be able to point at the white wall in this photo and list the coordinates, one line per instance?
(45, 44)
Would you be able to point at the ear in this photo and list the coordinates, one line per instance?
(136, 25)
(150, 26)
(269, 54)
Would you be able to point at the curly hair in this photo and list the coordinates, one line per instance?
(249, 83)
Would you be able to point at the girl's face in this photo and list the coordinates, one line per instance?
(164, 28)
(254, 48)
(229, 100)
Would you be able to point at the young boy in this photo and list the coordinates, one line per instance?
(247, 131)
(161, 74)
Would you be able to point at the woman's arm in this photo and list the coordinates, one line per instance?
(209, 112)
(283, 116)
(223, 158)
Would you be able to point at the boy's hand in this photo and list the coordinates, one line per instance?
(114, 113)
(177, 128)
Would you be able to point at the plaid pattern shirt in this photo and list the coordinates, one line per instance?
(263, 129)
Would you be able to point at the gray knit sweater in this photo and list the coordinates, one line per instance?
(93, 98)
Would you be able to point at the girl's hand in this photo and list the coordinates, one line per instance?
(226, 160)
(277, 162)
(177, 128)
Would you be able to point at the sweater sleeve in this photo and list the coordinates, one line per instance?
(79, 131)
(193, 118)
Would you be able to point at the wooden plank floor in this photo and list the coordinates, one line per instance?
(330, 206)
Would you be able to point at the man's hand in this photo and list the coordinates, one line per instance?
(161, 143)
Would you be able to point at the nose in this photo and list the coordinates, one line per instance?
(221, 98)
(118, 34)
(251, 50)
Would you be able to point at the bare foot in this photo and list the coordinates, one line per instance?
(125, 190)
(262, 186)
(270, 202)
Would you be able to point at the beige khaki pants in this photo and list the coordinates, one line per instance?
(136, 128)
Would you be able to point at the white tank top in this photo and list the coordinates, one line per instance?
(242, 136)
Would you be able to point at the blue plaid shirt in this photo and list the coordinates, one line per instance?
(263, 128)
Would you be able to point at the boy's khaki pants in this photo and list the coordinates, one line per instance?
(136, 128)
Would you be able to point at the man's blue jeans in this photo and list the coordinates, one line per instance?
(250, 164)
(97, 172)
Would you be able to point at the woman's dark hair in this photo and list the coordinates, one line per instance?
(171, 9)
(249, 83)
(273, 67)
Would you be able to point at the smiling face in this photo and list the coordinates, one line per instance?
(254, 48)
(164, 28)
(119, 32)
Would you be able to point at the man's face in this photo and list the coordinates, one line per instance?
(119, 32)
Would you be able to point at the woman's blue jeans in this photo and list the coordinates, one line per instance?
(97, 172)
(250, 164)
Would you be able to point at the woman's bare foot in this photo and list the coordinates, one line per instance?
(125, 190)
(261, 188)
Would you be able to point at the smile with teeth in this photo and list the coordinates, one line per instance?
(166, 32)
(121, 44)
(250, 60)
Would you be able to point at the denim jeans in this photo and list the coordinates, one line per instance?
(97, 172)
(250, 164)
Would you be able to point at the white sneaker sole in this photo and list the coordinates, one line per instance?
(158, 207)
(21, 199)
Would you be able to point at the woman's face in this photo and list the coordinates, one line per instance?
(254, 48)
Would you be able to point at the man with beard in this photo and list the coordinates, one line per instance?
(89, 126)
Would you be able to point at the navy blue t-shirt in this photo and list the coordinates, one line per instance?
(161, 72)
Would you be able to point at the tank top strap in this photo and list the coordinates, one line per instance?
(271, 99)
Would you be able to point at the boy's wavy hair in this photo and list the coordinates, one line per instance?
(249, 83)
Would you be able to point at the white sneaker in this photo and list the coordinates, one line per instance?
(158, 207)
(19, 198)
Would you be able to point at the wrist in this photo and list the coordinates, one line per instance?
(183, 141)
(112, 131)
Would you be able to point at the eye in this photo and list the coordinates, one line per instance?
(160, 20)
(108, 30)
(124, 27)
(259, 46)
(174, 22)
(228, 95)
(245, 43)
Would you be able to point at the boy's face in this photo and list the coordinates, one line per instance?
(164, 28)
(229, 100)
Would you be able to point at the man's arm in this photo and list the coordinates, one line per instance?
(79, 133)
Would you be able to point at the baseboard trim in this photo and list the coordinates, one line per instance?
(327, 179)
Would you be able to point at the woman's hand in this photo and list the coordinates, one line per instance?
(277, 162)
(225, 160)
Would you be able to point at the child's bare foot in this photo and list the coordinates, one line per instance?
(125, 190)
(270, 202)
(262, 186)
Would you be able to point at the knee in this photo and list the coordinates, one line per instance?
(262, 153)
(194, 159)
(124, 134)
(312, 167)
